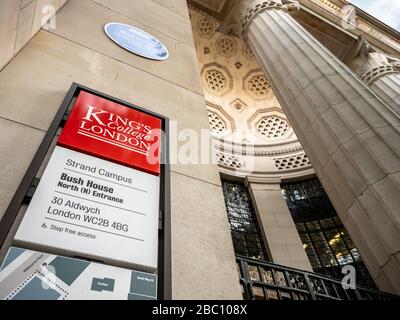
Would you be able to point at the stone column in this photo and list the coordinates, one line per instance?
(279, 231)
(350, 135)
(388, 88)
(380, 72)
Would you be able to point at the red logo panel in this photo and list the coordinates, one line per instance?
(111, 131)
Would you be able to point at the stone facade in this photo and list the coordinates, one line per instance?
(326, 104)
(380, 71)
(20, 20)
(286, 92)
(349, 134)
(34, 83)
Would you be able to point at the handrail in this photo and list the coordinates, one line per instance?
(263, 280)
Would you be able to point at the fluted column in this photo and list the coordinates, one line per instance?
(380, 72)
(350, 135)
(388, 88)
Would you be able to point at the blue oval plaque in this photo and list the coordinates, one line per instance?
(136, 41)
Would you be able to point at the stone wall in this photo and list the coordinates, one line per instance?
(34, 83)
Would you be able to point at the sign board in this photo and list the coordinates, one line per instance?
(111, 131)
(136, 41)
(32, 275)
(85, 206)
(98, 199)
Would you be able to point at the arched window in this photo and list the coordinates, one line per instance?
(245, 230)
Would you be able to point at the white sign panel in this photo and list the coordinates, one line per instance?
(88, 207)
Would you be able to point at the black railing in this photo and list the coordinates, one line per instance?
(266, 281)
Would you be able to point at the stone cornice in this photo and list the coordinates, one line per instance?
(269, 177)
(383, 36)
(255, 180)
(257, 150)
(242, 12)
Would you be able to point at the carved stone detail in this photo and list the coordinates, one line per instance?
(256, 84)
(370, 76)
(259, 151)
(229, 161)
(216, 123)
(247, 52)
(239, 105)
(259, 85)
(206, 27)
(292, 162)
(262, 6)
(371, 64)
(226, 46)
(272, 127)
(217, 79)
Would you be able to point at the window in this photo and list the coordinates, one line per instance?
(325, 240)
(245, 231)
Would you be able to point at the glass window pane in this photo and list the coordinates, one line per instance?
(325, 239)
(245, 231)
(313, 225)
(327, 223)
(317, 237)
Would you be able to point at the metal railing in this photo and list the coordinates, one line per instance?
(267, 281)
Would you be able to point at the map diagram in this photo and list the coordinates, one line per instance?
(32, 275)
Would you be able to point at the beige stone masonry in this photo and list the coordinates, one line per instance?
(379, 71)
(34, 83)
(388, 88)
(350, 135)
(20, 20)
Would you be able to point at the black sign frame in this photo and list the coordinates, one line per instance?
(164, 291)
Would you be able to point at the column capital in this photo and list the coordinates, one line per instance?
(259, 6)
(369, 63)
(376, 72)
(244, 11)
